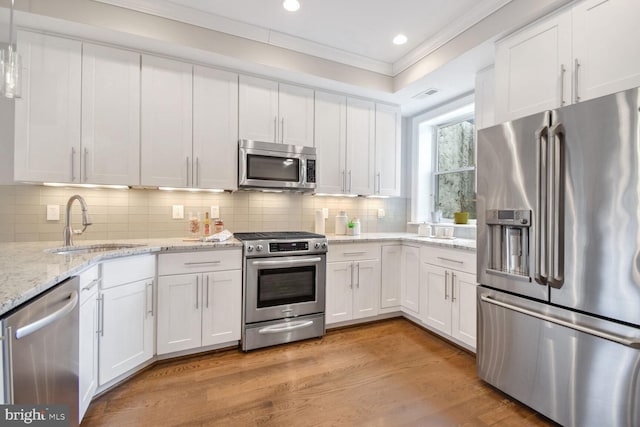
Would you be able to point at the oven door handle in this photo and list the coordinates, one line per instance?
(285, 327)
(288, 261)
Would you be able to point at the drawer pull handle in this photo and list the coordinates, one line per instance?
(285, 327)
(354, 253)
(91, 284)
(450, 260)
(202, 263)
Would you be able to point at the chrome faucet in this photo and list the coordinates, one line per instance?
(68, 232)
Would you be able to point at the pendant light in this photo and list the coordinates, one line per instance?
(11, 66)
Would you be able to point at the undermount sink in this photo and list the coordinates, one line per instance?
(103, 247)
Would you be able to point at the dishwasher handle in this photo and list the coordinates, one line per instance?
(49, 319)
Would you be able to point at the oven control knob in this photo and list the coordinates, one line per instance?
(249, 248)
(259, 248)
(523, 221)
(324, 245)
(317, 245)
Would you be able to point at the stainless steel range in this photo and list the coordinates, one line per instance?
(284, 280)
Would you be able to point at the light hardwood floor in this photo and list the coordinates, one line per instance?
(389, 373)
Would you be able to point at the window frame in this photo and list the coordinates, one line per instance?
(422, 183)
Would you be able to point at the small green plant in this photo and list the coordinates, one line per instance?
(350, 224)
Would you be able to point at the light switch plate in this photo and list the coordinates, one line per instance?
(53, 212)
(325, 213)
(381, 213)
(215, 212)
(178, 212)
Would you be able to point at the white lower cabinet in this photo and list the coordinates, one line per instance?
(88, 338)
(390, 287)
(448, 293)
(199, 309)
(196, 310)
(400, 285)
(353, 282)
(126, 330)
(410, 283)
(126, 327)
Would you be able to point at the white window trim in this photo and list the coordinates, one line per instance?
(422, 153)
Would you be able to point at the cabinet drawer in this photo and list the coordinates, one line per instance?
(126, 270)
(352, 251)
(455, 259)
(201, 261)
(89, 280)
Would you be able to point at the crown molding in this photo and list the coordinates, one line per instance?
(469, 19)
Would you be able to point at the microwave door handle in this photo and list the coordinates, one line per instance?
(303, 171)
(542, 136)
(556, 216)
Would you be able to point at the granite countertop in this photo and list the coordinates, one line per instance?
(27, 269)
(455, 243)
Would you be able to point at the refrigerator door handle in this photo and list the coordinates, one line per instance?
(633, 343)
(556, 213)
(542, 137)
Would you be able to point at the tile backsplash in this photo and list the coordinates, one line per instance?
(142, 213)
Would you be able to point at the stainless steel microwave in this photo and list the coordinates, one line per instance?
(267, 165)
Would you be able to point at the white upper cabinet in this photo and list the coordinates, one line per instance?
(296, 115)
(580, 53)
(275, 112)
(258, 109)
(110, 152)
(360, 148)
(47, 119)
(532, 69)
(166, 144)
(331, 142)
(215, 128)
(388, 150)
(605, 46)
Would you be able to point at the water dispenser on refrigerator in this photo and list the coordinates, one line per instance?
(509, 242)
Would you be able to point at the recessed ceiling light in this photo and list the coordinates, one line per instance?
(291, 5)
(400, 39)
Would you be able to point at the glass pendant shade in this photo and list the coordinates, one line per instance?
(11, 67)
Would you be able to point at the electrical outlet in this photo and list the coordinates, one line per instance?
(53, 212)
(215, 212)
(381, 213)
(325, 213)
(178, 212)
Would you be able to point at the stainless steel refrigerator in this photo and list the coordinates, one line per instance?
(559, 261)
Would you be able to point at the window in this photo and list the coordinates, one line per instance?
(443, 156)
(454, 171)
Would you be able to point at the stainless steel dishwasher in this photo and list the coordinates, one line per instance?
(41, 350)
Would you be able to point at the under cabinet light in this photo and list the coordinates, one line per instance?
(192, 190)
(62, 184)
